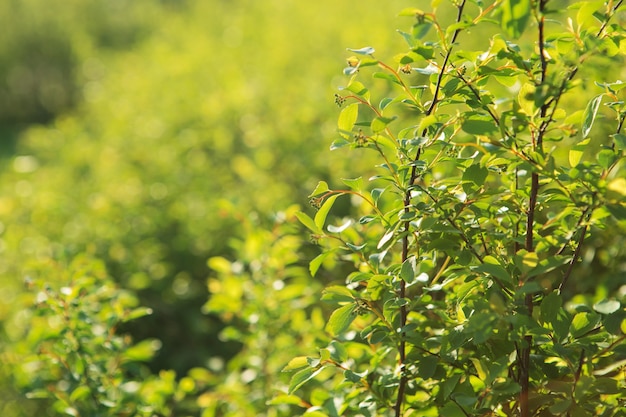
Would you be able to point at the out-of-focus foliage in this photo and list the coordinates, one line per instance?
(173, 121)
(44, 44)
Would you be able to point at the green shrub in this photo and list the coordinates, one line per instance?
(473, 244)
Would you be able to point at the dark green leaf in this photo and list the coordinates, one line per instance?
(550, 306)
(479, 126)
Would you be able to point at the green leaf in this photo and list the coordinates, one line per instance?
(338, 351)
(515, 15)
(385, 102)
(607, 306)
(308, 222)
(337, 293)
(352, 376)
(339, 143)
(411, 11)
(589, 115)
(620, 141)
(606, 157)
(586, 10)
(80, 393)
(322, 213)
(475, 174)
(561, 324)
(582, 323)
(560, 406)
(296, 363)
(427, 122)
(577, 152)
(550, 306)
(380, 123)
(38, 393)
(526, 99)
(317, 262)
(142, 351)
(386, 238)
(285, 399)
(302, 377)
(347, 119)
(385, 76)
(338, 229)
(368, 50)
(341, 318)
(492, 267)
(321, 188)
(359, 89)
(355, 184)
(479, 126)
(407, 272)
(137, 313)
(452, 410)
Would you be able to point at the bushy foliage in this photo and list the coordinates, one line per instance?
(471, 242)
(168, 193)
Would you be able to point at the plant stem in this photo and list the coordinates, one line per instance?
(524, 360)
(407, 224)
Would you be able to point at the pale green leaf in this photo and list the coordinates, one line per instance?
(347, 119)
(607, 306)
(590, 113)
(577, 152)
(368, 50)
(296, 363)
(355, 184)
(321, 188)
(322, 213)
(302, 377)
(308, 222)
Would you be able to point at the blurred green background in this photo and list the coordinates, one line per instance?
(153, 135)
(159, 135)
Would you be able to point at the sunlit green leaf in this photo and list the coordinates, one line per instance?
(296, 363)
(308, 222)
(341, 318)
(582, 323)
(380, 123)
(302, 377)
(576, 152)
(355, 184)
(589, 116)
(322, 213)
(337, 293)
(347, 119)
(607, 306)
(321, 188)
